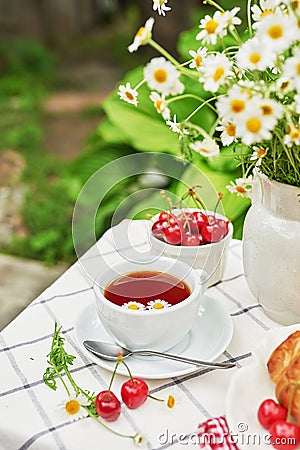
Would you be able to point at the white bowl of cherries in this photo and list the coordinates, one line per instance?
(197, 236)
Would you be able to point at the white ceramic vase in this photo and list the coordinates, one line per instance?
(271, 249)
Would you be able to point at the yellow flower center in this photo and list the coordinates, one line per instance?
(261, 153)
(284, 85)
(158, 306)
(160, 75)
(298, 68)
(295, 133)
(230, 129)
(266, 13)
(159, 105)
(129, 95)
(140, 32)
(275, 31)
(133, 306)
(211, 26)
(240, 190)
(171, 401)
(237, 105)
(266, 110)
(218, 73)
(72, 407)
(198, 61)
(253, 125)
(255, 58)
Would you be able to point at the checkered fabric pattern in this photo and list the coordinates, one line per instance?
(215, 434)
(29, 414)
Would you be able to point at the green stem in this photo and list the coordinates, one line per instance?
(130, 374)
(200, 107)
(212, 3)
(196, 97)
(188, 72)
(164, 52)
(156, 398)
(249, 18)
(93, 416)
(113, 375)
(61, 379)
(139, 84)
(288, 154)
(198, 128)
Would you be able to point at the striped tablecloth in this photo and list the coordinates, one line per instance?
(29, 414)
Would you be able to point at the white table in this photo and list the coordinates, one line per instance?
(29, 415)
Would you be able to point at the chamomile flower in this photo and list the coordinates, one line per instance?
(161, 7)
(293, 136)
(158, 304)
(161, 75)
(208, 147)
(139, 440)
(253, 55)
(135, 306)
(262, 9)
(228, 132)
(212, 28)
(251, 127)
(283, 86)
(176, 126)
(277, 31)
(230, 17)
(128, 94)
(241, 186)
(73, 409)
(198, 57)
(234, 103)
(160, 105)
(142, 36)
(258, 154)
(291, 68)
(214, 71)
(177, 88)
(271, 111)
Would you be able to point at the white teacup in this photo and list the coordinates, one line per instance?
(152, 329)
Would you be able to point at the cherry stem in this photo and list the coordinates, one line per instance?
(130, 374)
(156, 398)
(112, 379)
(220, 196)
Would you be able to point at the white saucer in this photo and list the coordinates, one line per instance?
(248, 387)
(209, 337)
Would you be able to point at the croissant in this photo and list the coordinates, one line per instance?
(284, 370)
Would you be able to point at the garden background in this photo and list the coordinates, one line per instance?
(60, 121)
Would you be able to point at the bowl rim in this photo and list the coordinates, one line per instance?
(198, 291)
(186, 248)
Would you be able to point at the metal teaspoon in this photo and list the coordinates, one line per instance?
(110, 351)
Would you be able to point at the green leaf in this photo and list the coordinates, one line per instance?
(142, 131)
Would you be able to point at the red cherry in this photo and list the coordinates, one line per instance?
(284, 435)
(173, 234)
(158, 229)
(108, 406)
(188, 222)
(200, 218)
(215, 231)
(269, 411)
(191, 239)
(164, 215)
(134, 392)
